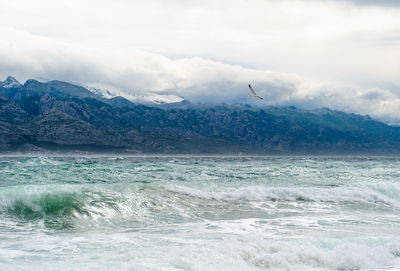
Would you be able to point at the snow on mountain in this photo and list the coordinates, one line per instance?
(102, 92)
(10, 82)
(108, 92)
(149, 97)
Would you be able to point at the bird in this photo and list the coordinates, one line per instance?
(255, 94)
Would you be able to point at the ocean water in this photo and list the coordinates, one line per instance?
(199, 213)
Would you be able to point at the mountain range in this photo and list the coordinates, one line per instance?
(60, 116)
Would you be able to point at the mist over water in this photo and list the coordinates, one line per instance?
(199, 213)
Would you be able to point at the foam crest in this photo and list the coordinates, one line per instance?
(323, 255)
(382, 193)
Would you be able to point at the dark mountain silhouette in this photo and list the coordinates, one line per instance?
(62, 116)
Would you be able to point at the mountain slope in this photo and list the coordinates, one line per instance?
(59, 115)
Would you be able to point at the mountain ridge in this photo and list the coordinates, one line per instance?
(56, 115)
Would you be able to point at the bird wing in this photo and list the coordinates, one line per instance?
(252, 90)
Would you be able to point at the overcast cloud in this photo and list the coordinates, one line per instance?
(339, 54)
(393, 3)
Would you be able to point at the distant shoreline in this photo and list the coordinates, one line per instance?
(161, 155)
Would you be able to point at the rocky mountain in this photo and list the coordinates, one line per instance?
(10, 82)
(55, 115)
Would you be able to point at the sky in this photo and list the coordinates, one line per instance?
(342, 54)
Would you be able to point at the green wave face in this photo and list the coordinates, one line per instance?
(54, 207)
(56, 210)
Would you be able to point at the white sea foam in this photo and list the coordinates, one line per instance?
(304, 255)
(183, 213)
(382, 193)
(178, 250)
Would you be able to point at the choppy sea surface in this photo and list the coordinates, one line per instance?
(199, 213)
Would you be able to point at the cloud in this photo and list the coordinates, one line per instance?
(384, 3)
(137, 72)
(307, 53)
(323, 40)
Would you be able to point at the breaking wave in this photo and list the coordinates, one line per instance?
(63, 207)
(78, 213)
(382, 193)
(356, 254)
(57, 208)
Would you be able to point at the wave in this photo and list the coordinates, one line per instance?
(381, 193)
(64, 207)
(58, 208)
(354, 254)
(76, 206)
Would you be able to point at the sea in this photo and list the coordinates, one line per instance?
(66, 212)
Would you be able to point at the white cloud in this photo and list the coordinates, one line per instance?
(307, 53)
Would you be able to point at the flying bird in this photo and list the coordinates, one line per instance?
(255, 94)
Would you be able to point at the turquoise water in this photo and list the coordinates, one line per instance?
(199, 213)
